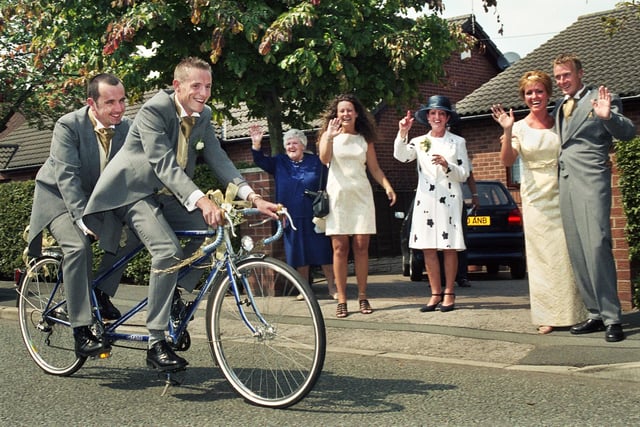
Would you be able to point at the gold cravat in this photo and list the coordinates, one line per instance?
(186, 124)
(568, 106)
(104, 136)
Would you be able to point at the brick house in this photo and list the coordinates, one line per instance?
(474, 80)
(607, 60)
(464, 73)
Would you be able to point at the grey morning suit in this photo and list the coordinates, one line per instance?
(62, 189)
(147, 164)
(585, 199)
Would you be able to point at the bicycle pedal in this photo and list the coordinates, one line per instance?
(102, 356)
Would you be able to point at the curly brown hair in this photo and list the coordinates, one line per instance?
(365, 123)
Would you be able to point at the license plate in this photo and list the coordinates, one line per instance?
(474, 221)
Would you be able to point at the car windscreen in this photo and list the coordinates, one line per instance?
(488, 194)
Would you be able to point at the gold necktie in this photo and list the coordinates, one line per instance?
(568, 106)
(104, 136)
(186, 124)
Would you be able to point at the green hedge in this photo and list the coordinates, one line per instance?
(628, 161)
(15, 210)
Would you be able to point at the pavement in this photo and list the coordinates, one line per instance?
(490, 326)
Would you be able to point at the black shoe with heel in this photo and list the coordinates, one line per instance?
(87, 344)
(108, 311)
(450, 307)
(179, 307)
(614, 333)
(432, 307)
(587, 327)
(160, 356)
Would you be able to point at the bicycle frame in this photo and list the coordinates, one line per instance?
(270, 351)
(110, 329)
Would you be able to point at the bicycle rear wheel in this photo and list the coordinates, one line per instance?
(275, 356)
(44, 323)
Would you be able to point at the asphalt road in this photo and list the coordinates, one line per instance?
(354, 389)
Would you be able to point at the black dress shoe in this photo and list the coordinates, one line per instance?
(87, 345)
(179, 307)
(161, 357)
(614, 333)
(108, 311)
(587, 327)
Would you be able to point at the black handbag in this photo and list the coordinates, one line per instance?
(320, 199)
(321, 204)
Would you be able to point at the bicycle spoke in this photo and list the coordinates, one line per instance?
(272, 349)
(47, 334)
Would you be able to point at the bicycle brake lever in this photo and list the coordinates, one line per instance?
(286, 213)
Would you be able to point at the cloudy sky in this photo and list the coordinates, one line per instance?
(527, 24)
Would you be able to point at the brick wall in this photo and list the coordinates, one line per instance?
(482, 136)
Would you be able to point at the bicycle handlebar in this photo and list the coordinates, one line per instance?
(232, 214)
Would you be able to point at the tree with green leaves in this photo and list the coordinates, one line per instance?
(284, 59)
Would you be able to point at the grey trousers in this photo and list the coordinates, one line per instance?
(76, 268)
(110, 283)
(588, 234)
(153, 219)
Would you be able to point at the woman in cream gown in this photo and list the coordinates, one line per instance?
(555, 301)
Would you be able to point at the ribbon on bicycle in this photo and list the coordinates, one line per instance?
(228, 204)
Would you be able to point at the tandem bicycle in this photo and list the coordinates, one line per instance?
(269, 350)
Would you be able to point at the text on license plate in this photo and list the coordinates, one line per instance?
(474, 221)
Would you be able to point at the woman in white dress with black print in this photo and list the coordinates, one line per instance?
(443, 165)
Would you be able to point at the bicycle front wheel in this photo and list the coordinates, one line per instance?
(270, 347)
(44, 321)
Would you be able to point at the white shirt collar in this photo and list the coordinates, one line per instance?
(579, 94)
(183, 113)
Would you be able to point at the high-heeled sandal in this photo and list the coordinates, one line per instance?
(341, 310)
(365, 307)
(432, 307)
(450, 307)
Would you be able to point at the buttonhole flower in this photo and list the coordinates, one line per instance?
(424, 143)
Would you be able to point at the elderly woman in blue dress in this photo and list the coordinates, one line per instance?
(294, 172)
(443, 165)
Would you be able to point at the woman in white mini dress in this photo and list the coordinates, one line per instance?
(555, 299)
(443, 165)
(346, 145)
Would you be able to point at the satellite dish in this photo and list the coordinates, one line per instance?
(507, 59)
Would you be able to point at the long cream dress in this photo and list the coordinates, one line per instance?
(555, 300)
(351, 210)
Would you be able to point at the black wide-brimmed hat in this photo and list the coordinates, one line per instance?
(436, 102)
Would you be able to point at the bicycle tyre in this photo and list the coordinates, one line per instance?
(47, 333)
(279, 364)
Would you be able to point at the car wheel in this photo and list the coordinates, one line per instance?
(416, 266)
(493, 269)
(518, 270)
(406, 269)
